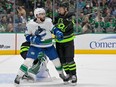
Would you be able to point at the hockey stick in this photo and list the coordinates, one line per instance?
(75, 34)
(47, 70)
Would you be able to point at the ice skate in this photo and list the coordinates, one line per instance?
(66, 81)
(62, 76)
(73, 80)
(17, 80)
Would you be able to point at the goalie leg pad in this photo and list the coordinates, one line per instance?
(28, 62)
(24, 67)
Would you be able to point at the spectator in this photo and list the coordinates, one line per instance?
(2, 29)
(30, 16)
(18, 22)
(98, 17)
(10, 17)
(48, 4)
(10, 28)
(9, 7)
(21, 11)
(114, 11)
(40, 3)
(95, 3)
(2, 11)
(88, 12)
(4, 22)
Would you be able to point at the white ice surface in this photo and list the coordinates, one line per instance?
(92, 71)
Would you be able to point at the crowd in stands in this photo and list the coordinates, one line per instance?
(6, 15)
(93, 16)
(97, 16)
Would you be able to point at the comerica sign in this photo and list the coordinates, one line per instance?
(96, 45)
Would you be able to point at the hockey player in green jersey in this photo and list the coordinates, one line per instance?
(65, 47)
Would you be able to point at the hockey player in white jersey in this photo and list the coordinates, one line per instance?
(38, 33)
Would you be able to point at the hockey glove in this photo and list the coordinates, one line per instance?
(58, 34)
(27, 36)
(35, 39)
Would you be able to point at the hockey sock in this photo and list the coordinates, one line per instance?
(72, 68)
(57, 65)
(66, 68)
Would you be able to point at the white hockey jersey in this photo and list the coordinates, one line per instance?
(32, 26)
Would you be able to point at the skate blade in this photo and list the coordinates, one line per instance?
(16, 85)
(27, 81)
(73, 84)
(66, 83)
